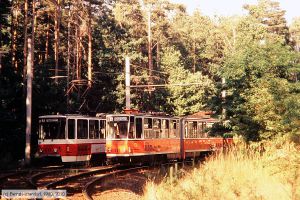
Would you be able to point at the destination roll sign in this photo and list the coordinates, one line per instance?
(119, 119)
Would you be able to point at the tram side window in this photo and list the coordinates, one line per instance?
(148, 127)
(71, 128)
(203, 127)
(194, 129)
(102, 129)
(82, 129)
(157, 128)
(93, 129)
(165, 128)
(185, 129)
(199, 130)
(190, 129)
(139, 127)
(173, 129)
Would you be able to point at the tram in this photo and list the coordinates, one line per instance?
(72, 138)
(136, 137)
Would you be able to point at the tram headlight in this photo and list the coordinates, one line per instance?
(55, 150)
(68, 148)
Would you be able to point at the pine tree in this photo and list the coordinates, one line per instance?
(269, 13)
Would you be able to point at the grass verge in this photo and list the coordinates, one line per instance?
(269, 170)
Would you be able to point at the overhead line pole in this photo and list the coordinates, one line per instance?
(127, 82)
(223, 95)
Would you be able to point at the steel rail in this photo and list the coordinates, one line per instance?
(77, 176)
(86, 190)
(33, 179)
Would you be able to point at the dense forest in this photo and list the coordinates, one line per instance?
(244, 68)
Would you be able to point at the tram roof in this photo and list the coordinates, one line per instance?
(143, 115)
(69, 115)
(211, 120)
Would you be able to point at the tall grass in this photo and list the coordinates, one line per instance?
(269, 170)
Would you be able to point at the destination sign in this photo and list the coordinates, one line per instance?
(120, 119)
(49, 120)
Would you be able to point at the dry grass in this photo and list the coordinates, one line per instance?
(243, 173)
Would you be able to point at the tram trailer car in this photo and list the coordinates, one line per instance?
(72, 138)
(141, 137)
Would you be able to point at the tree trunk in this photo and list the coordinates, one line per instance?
(68, 58)
(32, 34)
(56, 37)
(25, 40)
(47, 39)
(14, 24)
(90, 48)
(30, 63)
(150, 64)
(194, 59)
(77, 53)
(158, 54)
(28, 103)
(80, 54)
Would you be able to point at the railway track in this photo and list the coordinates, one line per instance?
(90, 186)
(81, 183)
(34, 178)
(131, 180)
(43, 178)
(18, 179)
(78, 186)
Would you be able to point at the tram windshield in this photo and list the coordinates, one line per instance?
(118, 127)
(52, 128)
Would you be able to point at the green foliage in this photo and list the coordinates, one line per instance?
(197, 91)
(220, 129)
(257, 69)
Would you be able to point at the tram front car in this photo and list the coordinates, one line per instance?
(71, 138)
